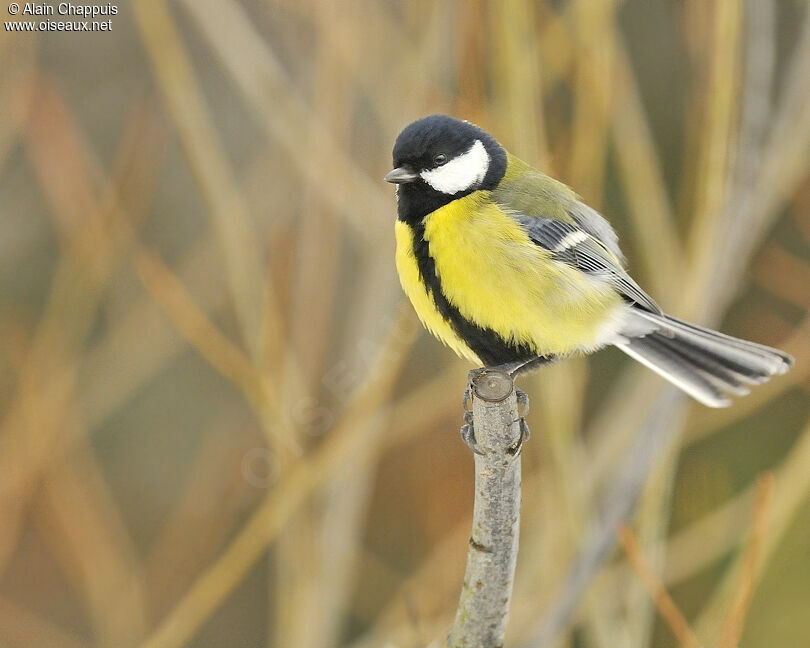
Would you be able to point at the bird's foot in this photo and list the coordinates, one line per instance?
(468, 429)
(523, 410)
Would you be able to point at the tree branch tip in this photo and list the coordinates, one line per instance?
(493, 386)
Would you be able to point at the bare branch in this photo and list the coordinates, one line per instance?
(485, 597)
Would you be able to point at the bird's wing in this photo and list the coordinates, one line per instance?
(595, 224)
(574, 245)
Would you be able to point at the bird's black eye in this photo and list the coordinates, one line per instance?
(439, 159)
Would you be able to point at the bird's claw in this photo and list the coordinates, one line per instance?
(466, 401)
(522, 401)
(468, 436)
(517, 448)
(525, 433)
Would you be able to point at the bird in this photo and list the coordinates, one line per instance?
(512, 270)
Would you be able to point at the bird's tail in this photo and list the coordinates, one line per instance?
(705, 364)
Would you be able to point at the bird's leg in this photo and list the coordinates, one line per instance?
(523, 366)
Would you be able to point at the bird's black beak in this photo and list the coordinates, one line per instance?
(401, 175)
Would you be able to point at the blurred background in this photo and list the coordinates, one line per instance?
(221, 426)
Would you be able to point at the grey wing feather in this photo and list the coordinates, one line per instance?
(576, 246)
(595, 224)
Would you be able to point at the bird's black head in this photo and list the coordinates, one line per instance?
(438, 159)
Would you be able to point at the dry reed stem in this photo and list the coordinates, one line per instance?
(307, 606)
(791, 488)
(67, 146)
(353, 435)
(659, 248)
(593, 83)
(652, 523)
(106, 389)
(17, 87)
(341, 535)
(658, 435)
(785, 275)
(92, 251)
(703, 423)
(82, 513)
(20, 626)
(714, 535)
(667, 608)
(203, 335)
(286, 117)
(468, 58)
(518, 85)
(115, 595)
(700, 544)
(87, 533)
(783, 163)
(732, 630)
(314, 283)
(560, 390)
(94, 232)
(381, 31)
(755, 113)
(433, 586)
(713, 158)
(785, 158)
(204, 513)
(756, 103)
(706, 540)
(207, 160)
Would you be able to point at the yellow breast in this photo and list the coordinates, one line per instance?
(500, 280)
(420, 298)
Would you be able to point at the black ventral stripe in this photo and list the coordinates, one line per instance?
(490, 347)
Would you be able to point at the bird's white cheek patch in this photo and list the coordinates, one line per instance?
(460, 173)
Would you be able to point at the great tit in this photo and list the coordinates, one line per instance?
(510, 269)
